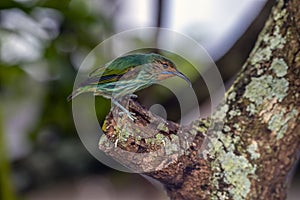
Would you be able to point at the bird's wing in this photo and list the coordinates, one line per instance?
(100, 70)
(109, 75)
(120, 65)
(109, 72)
(126, 80)
(95, 80)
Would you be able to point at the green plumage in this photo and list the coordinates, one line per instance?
(127, 74)
(142, 70)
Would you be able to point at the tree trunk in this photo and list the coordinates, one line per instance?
(247, 148)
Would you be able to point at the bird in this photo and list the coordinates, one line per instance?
(127, 74)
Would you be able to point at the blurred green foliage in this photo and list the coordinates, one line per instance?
(42, 43)
(6, 186)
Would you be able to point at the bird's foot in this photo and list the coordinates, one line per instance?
(129, 114)
(132, 96)
(124, 110)
(129, 96)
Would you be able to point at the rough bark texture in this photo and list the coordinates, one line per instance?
(250, 144)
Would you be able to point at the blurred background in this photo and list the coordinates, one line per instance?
(43, 43)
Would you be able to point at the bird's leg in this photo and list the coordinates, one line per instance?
(129, 114)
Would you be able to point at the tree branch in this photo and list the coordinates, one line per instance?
(248, 147)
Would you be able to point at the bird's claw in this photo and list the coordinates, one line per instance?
(116, 143)
(129, 114)
(124, 110)
(132, 96)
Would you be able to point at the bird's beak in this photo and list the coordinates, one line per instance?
(181, 75)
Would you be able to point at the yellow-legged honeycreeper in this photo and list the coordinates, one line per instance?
(127, 74)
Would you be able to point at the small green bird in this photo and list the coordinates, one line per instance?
(127, 74)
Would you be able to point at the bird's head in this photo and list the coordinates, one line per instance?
(165, 68)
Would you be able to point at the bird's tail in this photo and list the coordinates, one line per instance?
(80, 90)
(73, 95)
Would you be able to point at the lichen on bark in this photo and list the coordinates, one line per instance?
(248, 147)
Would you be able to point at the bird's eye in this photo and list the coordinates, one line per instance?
(165, 66)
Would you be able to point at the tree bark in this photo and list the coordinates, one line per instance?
(248, 147)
